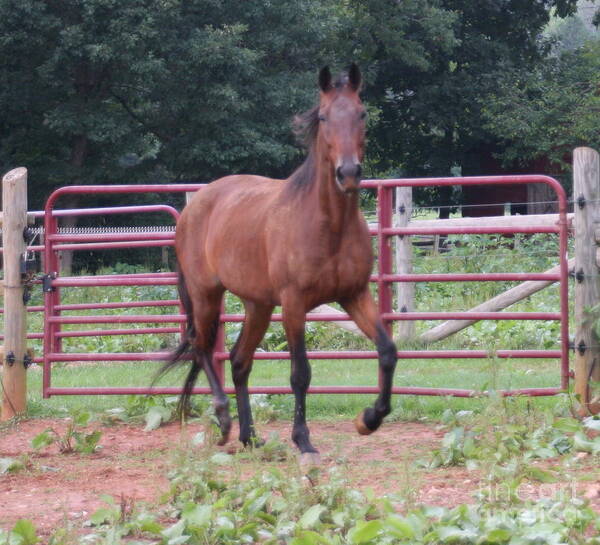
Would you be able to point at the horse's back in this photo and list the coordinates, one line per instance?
(231, 189)
(223, 227)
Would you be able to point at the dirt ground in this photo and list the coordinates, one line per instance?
(56, 489)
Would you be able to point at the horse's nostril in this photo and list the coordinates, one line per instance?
(348, 170)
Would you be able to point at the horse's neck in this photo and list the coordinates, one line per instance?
(338, 209)
(315, 193)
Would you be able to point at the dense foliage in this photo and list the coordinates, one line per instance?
(146, 90)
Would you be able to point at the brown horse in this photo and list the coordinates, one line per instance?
(297, 243)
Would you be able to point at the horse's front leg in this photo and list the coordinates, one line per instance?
(363, 311)
(294, 318)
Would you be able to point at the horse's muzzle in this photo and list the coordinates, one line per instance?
(348, 177)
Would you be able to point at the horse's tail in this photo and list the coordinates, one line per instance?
(177, 357)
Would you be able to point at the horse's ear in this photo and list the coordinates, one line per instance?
(325, 79)
(354, 77)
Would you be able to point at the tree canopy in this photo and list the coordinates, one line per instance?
(102, 91)
(107, 91)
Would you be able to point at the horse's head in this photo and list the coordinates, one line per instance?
(342, 120)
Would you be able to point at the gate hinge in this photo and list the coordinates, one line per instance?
(581, 202)
(47, 286)
(581, 347)
(27, 264)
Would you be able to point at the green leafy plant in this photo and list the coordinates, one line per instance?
(22, 533)
(501, 437)
(73, 439)
(213, 501)
(153, 410)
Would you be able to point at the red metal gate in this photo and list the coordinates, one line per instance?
(55, 312)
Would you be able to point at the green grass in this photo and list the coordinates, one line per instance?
(469, 374)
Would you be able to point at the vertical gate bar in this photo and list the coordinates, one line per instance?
(50, 300)
(384, 202)
(384, 266)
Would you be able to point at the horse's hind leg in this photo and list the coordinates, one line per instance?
(255, 324)
(207, 310)
(363, 311)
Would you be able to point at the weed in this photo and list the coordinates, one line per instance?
(152, 410)
(72, 439)
(23, 533)
(13, 465)
(212, 500)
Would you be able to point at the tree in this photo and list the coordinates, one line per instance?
(430, 117)
(106, 91)
(550, 111)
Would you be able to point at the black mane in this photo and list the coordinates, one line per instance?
(306, 128)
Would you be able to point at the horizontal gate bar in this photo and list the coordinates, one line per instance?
(124, 280)
(316, 355)
(87, 281)
(111, 237)
(311, 390)
(177, 318)
(471, 277)
(471, 316)
(113, 245)
(113, 210)
(107, 332)
(117, 304)
(457, 230)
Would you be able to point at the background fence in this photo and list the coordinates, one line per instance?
(390, 270)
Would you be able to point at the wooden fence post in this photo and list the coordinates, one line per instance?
(14, 221)
(586, 194)
(405, 291)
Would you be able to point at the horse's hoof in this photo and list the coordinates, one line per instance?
(223, 440)
(225, 429)
(361, 427)
(310, 459)
(222, 413)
